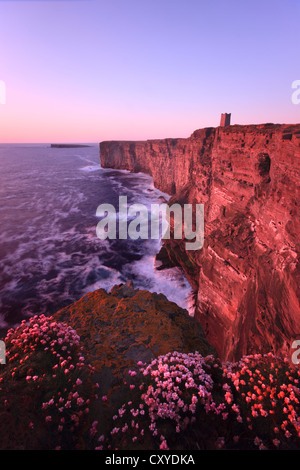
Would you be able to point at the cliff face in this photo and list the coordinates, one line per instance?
(247, 276)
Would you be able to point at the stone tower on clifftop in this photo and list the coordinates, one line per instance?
(225, 119)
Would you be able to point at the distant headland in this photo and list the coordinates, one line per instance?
(68, 145)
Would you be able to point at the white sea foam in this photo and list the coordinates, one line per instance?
(50, 253)
(91, 168)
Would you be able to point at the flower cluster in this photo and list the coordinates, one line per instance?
(179, 401)
(265, 391)
(181, 383)
(45, 390)
(174, 392)
(253, 403)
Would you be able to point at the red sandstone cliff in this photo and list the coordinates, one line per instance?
(247, 276)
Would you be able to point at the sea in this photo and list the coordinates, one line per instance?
(50, 255)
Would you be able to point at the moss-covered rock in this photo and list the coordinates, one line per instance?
(127, 325)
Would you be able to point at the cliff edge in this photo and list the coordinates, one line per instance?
(247, 275)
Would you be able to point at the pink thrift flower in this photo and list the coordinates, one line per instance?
(276, 442)
(164, 445)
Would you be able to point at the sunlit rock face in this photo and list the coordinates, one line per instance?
(247, 275)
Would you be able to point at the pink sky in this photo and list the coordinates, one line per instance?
(86, 71)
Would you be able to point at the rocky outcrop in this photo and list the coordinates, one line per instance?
(247, 275)
(67, 375)
(127, 325)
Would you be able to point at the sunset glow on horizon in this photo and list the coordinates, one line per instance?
(87, 71)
